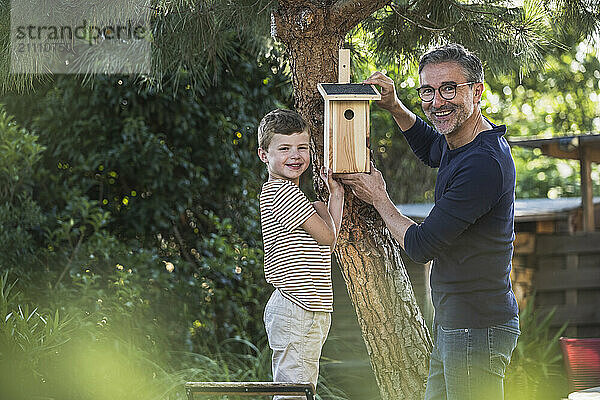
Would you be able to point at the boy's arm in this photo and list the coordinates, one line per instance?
(320, 225)
(336, 210)
(330, 213)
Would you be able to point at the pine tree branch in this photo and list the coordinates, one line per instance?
(348, 13)
(429, 28)
(474, 10)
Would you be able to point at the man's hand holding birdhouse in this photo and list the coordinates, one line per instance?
(371, 188)
(389, 100)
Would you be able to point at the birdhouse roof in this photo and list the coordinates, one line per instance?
(348, 91)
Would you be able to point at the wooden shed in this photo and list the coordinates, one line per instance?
(585, 149)
(566, 256)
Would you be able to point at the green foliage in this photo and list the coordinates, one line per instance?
(560, 100)
(148, 233)
(27, 337)
(203, 37)
(541, 176)
(110, 349)
(20, 215)
(20, 152)
(153, 160)
(133, 175)
(536, 369)
(205, 302)
(509, 37)
(230, 285)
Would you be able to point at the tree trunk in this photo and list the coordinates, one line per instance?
(392, 326)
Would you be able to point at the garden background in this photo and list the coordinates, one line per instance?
(132, 255)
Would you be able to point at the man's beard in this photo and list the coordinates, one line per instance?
(457, 118)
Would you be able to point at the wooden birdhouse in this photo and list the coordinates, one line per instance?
(346, 123)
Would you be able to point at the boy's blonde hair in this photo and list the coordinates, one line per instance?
(285, 122)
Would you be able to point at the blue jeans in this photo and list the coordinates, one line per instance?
(469, 364)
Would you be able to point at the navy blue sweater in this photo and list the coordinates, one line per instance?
(469, 232)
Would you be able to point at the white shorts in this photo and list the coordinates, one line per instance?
(296, 337)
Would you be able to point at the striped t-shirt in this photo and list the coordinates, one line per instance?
(294, 262)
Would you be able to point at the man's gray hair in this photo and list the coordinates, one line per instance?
(453, 52)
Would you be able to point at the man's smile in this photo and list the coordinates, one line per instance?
(441, 113)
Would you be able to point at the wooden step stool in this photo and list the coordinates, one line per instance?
(250, 388)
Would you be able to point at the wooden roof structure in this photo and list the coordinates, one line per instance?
(586, 149)
(348, 91)
(526, 210)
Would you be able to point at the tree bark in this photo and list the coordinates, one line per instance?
(392, 325)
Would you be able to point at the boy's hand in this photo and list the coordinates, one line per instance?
(334, 187)
(320, 206)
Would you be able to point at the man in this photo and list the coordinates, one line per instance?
(468, 233)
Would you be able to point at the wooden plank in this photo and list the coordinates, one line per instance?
(327, 137)
(589, 260)
(556, 150)
(349, 96)
(522, 275)
(550, 298)
(250, 388)
(524, 243)
(588, 278)
(564, 147)
(592, 147)
(552, 262)
(368, 137)
(350, 152)
(572, 261)
(545, 226)
(519, 261)
(587, 195)
(344, 66)
(581, 314)
(564, 244)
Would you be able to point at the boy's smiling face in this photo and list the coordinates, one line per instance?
(288, 156)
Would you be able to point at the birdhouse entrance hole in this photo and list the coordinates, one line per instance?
(349, 114)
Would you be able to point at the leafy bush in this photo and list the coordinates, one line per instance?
(536, 369)
(27, 337)
(156, 157)
(20, 215)
(51, 355)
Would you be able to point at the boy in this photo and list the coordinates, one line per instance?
(298, 240)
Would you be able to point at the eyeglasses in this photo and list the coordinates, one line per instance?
(447, 91)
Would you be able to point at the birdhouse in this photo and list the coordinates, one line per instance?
(346, 123)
